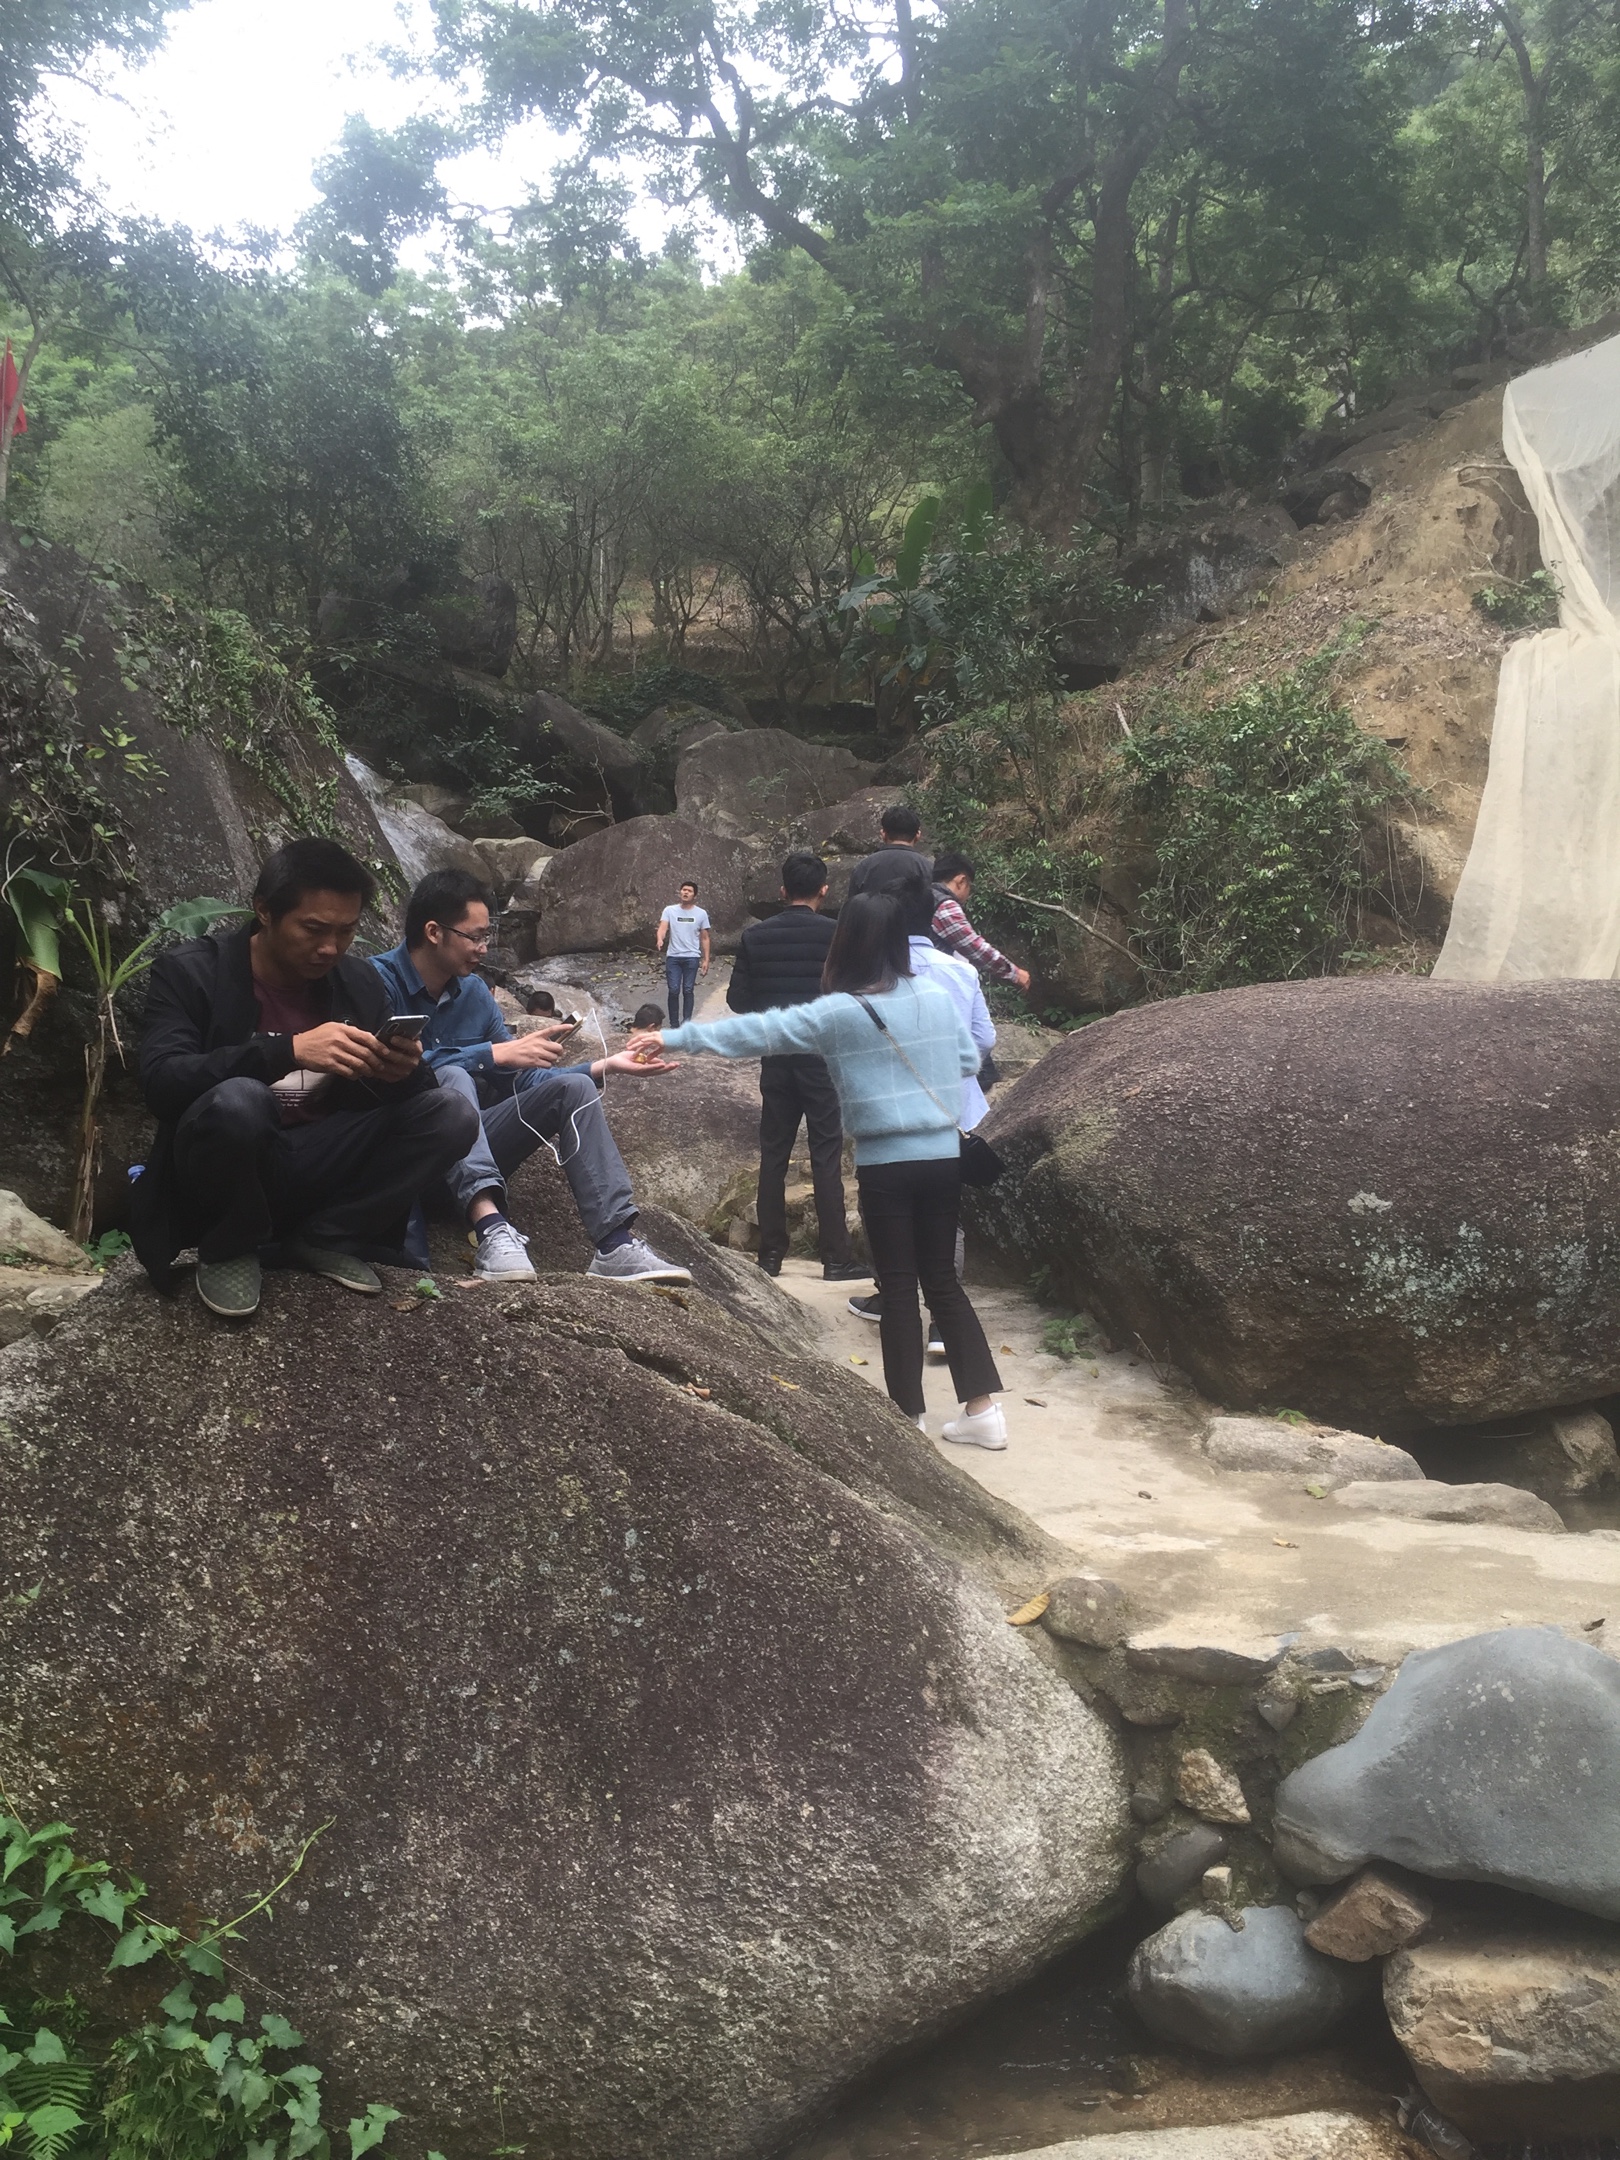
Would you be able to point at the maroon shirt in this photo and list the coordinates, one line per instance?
(293, 1012)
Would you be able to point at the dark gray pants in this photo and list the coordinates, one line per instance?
(519, 1110)
(791, 1088)
(349, 1179)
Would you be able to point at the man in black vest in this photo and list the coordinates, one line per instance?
(779, 962)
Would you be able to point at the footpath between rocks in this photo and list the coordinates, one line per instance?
(1372, 1723)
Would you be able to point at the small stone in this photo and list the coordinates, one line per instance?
(1277, 1704)
(1215, 1886)
(1088, 1609)
(1513, 2034)
(1149, 1804)
(1208, 1663)
(1208, 1789)
(1430, 1501)
(1328, 1659)
(1240, 1993)
(1170, 1868)
(1370, 1918)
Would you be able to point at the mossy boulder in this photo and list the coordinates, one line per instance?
(654, 1680)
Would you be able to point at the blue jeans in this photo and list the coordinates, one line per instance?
(680, 978)
(517, 1110)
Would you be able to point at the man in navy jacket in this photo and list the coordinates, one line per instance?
(779, 962)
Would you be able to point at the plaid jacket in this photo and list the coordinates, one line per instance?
(953, 933)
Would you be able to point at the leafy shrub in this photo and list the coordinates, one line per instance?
(1070, 1336)
(1518, 604)
(193, 2084)
(1258, 808)
(623, 701)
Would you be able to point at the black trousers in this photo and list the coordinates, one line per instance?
(791, 1088)
(911, 1211)
(348, 1179)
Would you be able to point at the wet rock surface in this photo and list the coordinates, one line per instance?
(1319, 2135)
(1239, 1992)
(1513, 2032)
(1493, 1760)
(755, 784)
(595, 1669)
(1286, 1192)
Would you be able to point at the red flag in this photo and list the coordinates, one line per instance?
(13, 420)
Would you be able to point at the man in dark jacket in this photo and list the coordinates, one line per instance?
(281, 1115)
(900, 866)
(779, 962)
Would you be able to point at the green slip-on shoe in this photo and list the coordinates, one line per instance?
(338, 1267)
(230, 1287)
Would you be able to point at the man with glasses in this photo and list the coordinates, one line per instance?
(521, 1100)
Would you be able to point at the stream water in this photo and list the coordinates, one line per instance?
(1063, 2057)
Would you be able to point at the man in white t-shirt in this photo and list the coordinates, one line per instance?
(683, 939)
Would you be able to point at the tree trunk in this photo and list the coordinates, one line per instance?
(1533, 91)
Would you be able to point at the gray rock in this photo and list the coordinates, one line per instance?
(1493, 1760)
(1149, 1803)
(1239, 1993)
(1319, 1452)
(1203, 1659)
(1088, 1609)
(24, 1232)
(760, 781)
(514, 862)
(1559, 1456)
(1323, 2134)
(1432, 1502)
(1169, 1868)
(1513, 2033)
(420, 841)
(608, 890)
(1277, 1704)
(1351, 1233)
(596, 1676)
(849, 827)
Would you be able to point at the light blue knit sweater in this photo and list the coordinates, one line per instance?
(891, 1117)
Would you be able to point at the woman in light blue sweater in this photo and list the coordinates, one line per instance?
(898, 1053)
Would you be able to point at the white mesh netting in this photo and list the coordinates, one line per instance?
(1540, 894)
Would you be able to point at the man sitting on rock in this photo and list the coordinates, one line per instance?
(282, 1117)
(779, 962)
(521, 1103)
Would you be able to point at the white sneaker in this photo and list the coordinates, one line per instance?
(636, 1262)
(503, 1255)
(988, 1429)
(922, 1425)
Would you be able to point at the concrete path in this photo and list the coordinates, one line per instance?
(1102, 1453)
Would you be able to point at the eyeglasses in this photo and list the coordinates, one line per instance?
(477, 939)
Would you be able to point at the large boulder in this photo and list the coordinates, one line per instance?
(761, 781)
(420, 841)
(557, 733)
(1382, 1202)
(609, 890)
(1513, 2031)
(186, 816)
(1243, 1991)
(679, 1761)
(685, 1135)
(1493, 1760)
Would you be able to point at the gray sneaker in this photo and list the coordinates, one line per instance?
(230, 1287)
(636, 1262)
(503, 1256)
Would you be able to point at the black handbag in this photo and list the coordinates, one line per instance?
(981, 1165)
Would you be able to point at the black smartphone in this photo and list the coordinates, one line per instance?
(402, 1027)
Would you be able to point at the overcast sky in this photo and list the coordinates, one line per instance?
(223, 126)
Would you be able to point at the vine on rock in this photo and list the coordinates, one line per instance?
(193, 2083)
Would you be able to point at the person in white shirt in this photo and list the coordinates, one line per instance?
(961, 979)
(683, 939)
